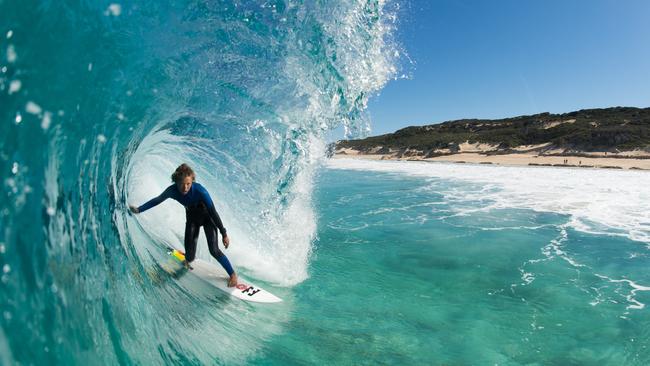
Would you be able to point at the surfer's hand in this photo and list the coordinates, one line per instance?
(226, 241)
(134, 209)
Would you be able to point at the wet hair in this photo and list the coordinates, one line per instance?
(183, 171)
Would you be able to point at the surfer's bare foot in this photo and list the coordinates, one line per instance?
(233, 280)
(187, 265)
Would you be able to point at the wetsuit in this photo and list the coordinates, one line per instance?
(199, 211)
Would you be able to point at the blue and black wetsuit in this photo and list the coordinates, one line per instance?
(199, 211)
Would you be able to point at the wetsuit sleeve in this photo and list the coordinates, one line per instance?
(212, 211)
(156, 200)
(216, 220)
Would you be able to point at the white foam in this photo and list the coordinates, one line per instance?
(600, 201)
(630, 297)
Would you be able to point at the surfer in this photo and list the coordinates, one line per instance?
(199, 211)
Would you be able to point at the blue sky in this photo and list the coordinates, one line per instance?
(503, 58)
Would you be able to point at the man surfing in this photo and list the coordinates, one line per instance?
(199, 211)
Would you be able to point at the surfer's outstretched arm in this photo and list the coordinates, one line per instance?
(154, 201)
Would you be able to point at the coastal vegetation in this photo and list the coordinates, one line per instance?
(589, 130)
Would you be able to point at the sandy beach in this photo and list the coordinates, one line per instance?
(628, 160)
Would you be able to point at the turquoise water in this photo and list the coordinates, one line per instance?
(378, 262)
(404, 273)
(399, 277)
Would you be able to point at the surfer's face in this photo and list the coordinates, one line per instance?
(184, 185)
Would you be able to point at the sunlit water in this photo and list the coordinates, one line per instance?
(420, 263)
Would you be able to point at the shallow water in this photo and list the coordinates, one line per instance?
(408, 271)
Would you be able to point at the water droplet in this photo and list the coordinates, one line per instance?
(101, 138)
(3, 249)
(6, 268)
(4, 69)
(129, 93)
(14, 168)
(11, 183)
(50, 211)
(120, 116)
(15, 86)
(11, 54)
(90, 66)
(114, 10)
(33, 108)
(19, 118)
(10, 33)
(61, 113)
(7, 315)
(47, 119)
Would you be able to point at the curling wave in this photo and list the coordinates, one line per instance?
(99, 103)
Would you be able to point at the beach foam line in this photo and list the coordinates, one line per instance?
(605, 202)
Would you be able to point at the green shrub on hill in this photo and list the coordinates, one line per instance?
(609, 129)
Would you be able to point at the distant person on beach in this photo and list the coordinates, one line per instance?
(199, 211)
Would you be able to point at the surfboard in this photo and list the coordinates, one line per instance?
(218, 278)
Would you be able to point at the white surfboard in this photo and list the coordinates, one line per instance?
(218, 278)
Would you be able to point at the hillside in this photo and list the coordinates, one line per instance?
(590, 130)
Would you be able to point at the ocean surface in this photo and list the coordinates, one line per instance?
(468, 264)
(378, 262)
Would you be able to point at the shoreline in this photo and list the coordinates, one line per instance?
(520, 159)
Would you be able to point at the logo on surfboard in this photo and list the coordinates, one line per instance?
(246, 289)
